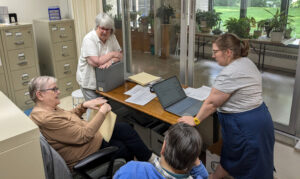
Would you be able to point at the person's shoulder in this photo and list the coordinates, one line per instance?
(137, 169)
(45, 118)
(92, 35)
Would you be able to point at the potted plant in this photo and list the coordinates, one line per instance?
(207, 19)
(164, 13)
(217, 31)
(260, 25)
(241, 27)
(278, 23)
(143, 23)
(288, 31)
(133, 16)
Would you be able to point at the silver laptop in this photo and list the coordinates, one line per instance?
(174, 100)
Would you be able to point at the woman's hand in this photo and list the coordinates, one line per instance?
(105, 108)
(106, 65)
(187, 119)
(94, 103)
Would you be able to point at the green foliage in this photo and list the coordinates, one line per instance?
(227, 3)
(295, 4)
(165, 12)
(212, 18)
(279, 20)
(241, 27)
(107, 8)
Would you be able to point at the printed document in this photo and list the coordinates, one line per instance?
(140, 95)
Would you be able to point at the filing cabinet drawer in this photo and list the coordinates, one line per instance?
(20, 59)
(64, 50)
(21, 78)
(18, 38)
(67, 85)
(61, 32)
(66, 68)
(3, 85)
(23, 100)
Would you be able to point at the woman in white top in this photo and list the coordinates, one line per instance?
(99, 49)
(247, 127)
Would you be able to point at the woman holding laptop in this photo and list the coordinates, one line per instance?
(247, 127)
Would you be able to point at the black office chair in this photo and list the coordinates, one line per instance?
(101, 164)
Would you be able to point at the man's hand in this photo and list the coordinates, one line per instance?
(187, 119)
(94, 103)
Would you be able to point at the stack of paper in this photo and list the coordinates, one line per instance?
(140, 95)
(144, 78)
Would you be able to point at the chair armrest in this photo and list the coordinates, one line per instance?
(101, 156)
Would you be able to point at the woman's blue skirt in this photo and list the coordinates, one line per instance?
(248, 143)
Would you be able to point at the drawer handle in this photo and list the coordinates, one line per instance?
(67, 66)
(29, 101)
(63, 36)
(19, 34)
(19, 43)
(67, 71)
(69, 89)
(25, 83)
(22, 63)
(25, 77)
(65, 54)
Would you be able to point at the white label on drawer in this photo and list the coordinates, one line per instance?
(27, 93)
(25, 76)
(54, 28)
(8, 33)
(21, 55)
(64, 47)
(69, 83)
(62, 28)
(19, 34)
(66, 65)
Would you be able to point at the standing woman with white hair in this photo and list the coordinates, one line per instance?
(99, 49)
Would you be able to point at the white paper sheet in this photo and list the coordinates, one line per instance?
(142, 97)
(134, 90)
(200, 93)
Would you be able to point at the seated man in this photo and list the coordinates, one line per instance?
(73, 138)
(179, 157)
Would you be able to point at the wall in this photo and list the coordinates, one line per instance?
(27, 10)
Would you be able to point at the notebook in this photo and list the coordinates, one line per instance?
(144, 78)
(174, 100)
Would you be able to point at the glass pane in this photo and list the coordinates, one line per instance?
(294, 10)
(228, 8)
(154, 40)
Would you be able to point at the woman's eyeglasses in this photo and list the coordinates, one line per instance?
(55, 89)
(104, 29)
(215, 51)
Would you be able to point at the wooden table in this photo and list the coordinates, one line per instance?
(153, 108)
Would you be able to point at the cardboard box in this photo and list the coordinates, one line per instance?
(213, 156)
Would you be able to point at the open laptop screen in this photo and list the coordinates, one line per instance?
(169, 91)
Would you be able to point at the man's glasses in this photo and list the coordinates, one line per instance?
(55, 89)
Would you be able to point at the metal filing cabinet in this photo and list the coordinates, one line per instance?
(19, 63)
(57, 52)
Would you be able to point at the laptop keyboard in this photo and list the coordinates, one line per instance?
(181, 106)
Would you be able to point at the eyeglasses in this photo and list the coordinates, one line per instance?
(55, 89)
(105, 29)
(215, 51)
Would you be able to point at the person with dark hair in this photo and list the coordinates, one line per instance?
(247, 126)
(179, 157)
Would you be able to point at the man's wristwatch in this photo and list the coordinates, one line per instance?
(197, 121)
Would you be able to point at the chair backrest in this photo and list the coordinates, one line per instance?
(54, 165)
